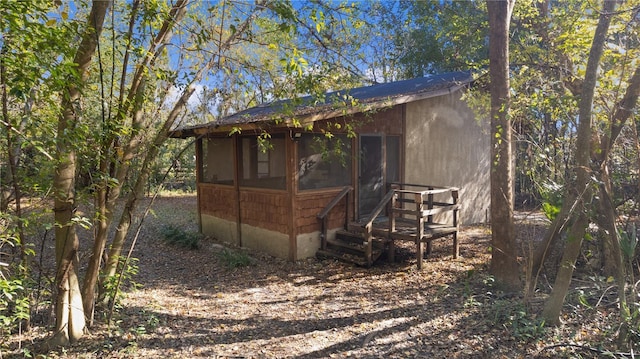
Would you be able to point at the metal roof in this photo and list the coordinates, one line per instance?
(307, 109)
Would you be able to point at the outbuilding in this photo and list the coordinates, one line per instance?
(267, 175)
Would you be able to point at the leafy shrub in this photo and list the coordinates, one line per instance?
(14, 279)
(514, 317)
(126, 281)
(178, 237)
(233, 259)
(14, 305)
(552, 196)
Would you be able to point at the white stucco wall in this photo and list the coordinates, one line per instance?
(446, 146)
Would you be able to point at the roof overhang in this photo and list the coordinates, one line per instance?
(304, 116)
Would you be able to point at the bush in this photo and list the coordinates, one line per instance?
(178, 237)
(126, 281)
(552, 197)
(14, 306)
(233, 259)
(514, 317)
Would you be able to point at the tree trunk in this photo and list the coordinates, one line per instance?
(504, 264)
(553, 306)
(612, 238)
(117, 245)
(70, 320)
(106, 194)
(614, 264)
(623, 111)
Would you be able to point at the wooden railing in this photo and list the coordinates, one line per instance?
(323, 215)
(368, 226)
(422, 215)
(416, 213)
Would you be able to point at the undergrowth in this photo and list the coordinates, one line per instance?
(234, 259)
(181, 238)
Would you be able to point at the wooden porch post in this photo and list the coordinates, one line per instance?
(430, 217)
(391, 255)
(368, 245)
(456, 245)
(420, 228)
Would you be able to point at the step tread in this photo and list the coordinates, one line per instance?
(349, 258)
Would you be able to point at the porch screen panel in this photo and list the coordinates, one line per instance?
(217, 161)
(323, 162)
(262, 169)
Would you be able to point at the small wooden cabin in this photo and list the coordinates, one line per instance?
(267, 193)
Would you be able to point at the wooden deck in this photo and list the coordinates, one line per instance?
(415, 213)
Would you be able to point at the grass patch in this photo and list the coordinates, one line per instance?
(233, 259)
(180, 238)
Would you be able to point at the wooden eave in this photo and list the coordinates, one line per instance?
(305, 117)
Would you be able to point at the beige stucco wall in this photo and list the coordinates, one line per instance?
(274, 243)
(446, 146)
(264, 240)
(308, 243)
(221, 229)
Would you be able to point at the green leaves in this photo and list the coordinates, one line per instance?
(628, 242)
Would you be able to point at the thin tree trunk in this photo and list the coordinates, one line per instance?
(138, 191)
(504, 264)
(558, 226)
(70, 320)
(13, 159)
(553, 306)
(614, 264)
(608, 222)
(107, 194)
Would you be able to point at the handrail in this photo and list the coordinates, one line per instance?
(424, 211)
(376, 211)
(404, 185)
(334, 202)
(322, 216)
(368, 227)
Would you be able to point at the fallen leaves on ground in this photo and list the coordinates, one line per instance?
(192, 305)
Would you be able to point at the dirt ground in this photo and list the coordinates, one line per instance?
(192, 304)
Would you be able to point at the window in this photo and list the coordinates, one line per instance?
(323, 162)
(260, 168)
(217, 161)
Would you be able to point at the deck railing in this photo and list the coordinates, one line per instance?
(416, 213)
(420, 207)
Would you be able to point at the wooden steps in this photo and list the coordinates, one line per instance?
(350, 246)
(408, 212)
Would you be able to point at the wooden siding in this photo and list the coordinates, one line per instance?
(265, 209)
(387, 121)
(308, 205)
(218, 201)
